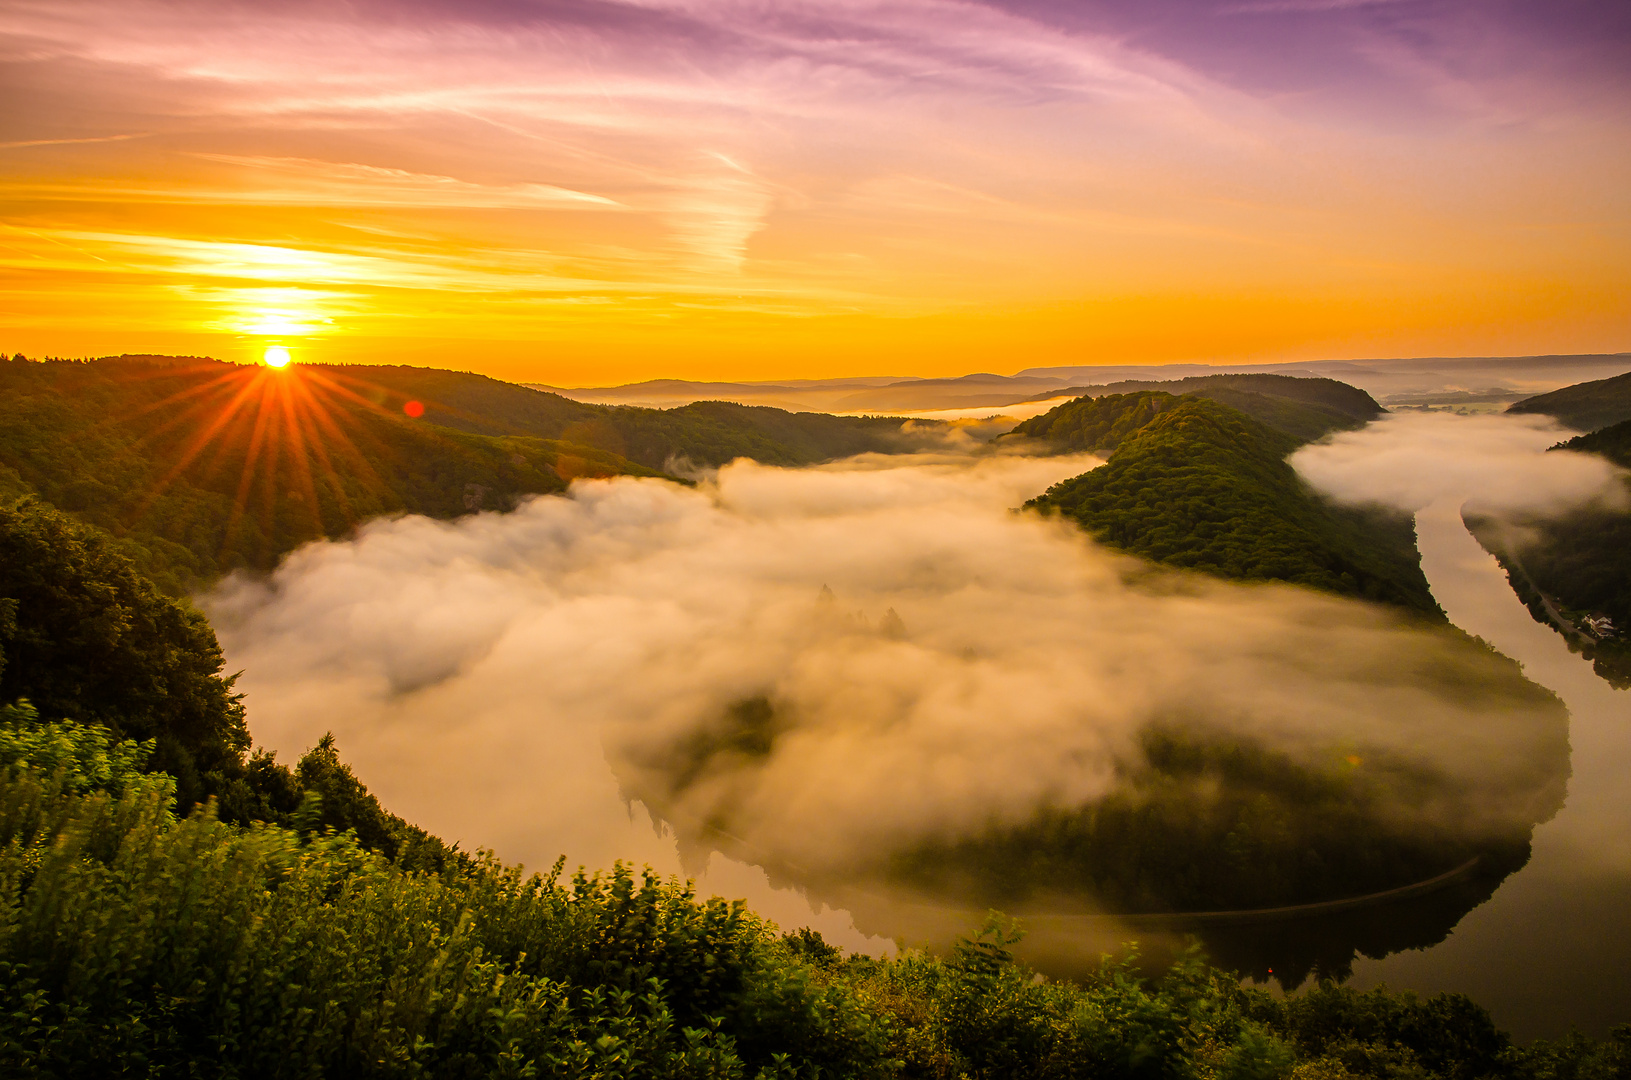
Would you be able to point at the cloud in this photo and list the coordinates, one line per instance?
(1277, 7)
(509, 680)
(677, 112)
(349, 184)
(1493, 463)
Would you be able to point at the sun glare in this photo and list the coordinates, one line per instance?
(276, 356)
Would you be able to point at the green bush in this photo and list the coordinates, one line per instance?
(131, 940)
(88, 638)
(134, 942)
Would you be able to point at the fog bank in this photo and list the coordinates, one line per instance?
(1493, 463)
(507, 680)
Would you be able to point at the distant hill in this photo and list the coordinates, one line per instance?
(1303, 407)
(1584, 406)
(200, 467)
(704, 433)
(1203, 486)
(1402, 380)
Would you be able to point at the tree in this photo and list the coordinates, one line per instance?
(85, 637)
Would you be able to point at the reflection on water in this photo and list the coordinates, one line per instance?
(1287, 948)
(1545, 948)
(552, 644)
(1285, 945)
(1552, 947)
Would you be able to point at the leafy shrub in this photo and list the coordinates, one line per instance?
(136, 942)
(89, 639)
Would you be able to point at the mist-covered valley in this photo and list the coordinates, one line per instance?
(1173, 666)
(876, 673)
(838, 540)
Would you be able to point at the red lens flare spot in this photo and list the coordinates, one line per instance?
(414, 409)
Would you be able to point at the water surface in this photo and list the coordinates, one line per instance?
(1551, 948)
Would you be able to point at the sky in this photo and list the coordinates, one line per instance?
(588, 193)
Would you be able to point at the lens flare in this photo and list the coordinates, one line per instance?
(276, 356)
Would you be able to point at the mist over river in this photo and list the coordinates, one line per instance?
(1552, 948)
(518, 681)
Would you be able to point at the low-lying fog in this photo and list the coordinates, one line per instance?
(492, 678)
(1492, 463)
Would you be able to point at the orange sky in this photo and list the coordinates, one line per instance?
(593, 194)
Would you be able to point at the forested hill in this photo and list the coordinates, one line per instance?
(1203, 486)
(200, 467)
(1613, 442)
(1301, 407)
(1585, 406)
(703, 433)
(1095, 424)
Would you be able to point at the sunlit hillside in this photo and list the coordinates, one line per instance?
(203, 467)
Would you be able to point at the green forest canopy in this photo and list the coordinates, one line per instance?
(86, 639)
(200, 468)
(1613, 442)
(1197, 484)
(1585, 406)
(1306, 408)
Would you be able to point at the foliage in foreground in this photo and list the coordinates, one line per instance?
(136, 943)
(86, 637)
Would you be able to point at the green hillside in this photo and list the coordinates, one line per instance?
(1305, 421)
(1306, 409)
(1584, 406)
(200, 468)
(86, 639)
(293, 927)
(1613, 442)
(1204, 487)
(203, 468)
(708, 433)
(1095, 424)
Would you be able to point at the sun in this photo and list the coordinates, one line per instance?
(276, 356)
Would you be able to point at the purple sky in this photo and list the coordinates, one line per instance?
(1119, 181)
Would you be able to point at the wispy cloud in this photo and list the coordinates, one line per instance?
(1277, 7)
(955, 154)
(332, 183)
(21, 143)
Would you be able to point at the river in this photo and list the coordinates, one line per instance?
(1551, 949)
(513, 681)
